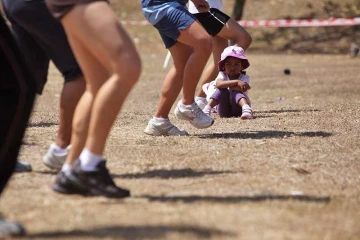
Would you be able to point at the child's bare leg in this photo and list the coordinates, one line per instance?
(243, 102)
(210, 105)
(233, 31)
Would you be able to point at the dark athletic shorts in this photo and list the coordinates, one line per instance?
(41, 38)
(60, 8)
(213, 21)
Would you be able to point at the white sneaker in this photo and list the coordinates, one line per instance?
(201, 102)
(193, 114)
(247, 114)
(163, 129)
(54, 160)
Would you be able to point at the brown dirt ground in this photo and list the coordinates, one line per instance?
(291, 173)
(235, 180)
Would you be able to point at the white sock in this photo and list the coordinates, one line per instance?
(66, 168)
(246, 106)
(59, 150)
(89, 160)
(187, 106)
(207, 108)
(200, 98)
(160, 120)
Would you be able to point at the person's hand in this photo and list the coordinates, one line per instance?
(243, 86)
(201, 5)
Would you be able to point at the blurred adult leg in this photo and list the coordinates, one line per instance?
(41, 38)
(17, 93)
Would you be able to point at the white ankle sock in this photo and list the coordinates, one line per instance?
(160, 120)
(59, 150)
(66, 168)
(207, 108)
(246, 106)
(200, 98)
(89, 160)
(187, 106)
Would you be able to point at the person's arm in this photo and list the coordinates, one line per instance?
(235, 84)
(243, 85)
(201, 5)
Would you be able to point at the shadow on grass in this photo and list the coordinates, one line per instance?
(236, 199)
(42, 124)
(263, 116)
(171, 173)
(46, 172)
(135, 232)
(264, 134)
(287, 111)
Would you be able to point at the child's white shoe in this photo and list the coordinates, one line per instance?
(247, 113)
(207, 110)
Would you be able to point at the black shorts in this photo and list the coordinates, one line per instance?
(41, 38)
(60, 8)
(213, 21)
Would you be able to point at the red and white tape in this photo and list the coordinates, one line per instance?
(282, 22)
(302, 22)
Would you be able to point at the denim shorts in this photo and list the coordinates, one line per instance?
(169, 18)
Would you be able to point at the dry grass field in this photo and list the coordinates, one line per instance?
(293, 172)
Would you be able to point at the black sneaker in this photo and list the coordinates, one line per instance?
(21, 167)
(64, 185)
(98, 183)
(10, 229)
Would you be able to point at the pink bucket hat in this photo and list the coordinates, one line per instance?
(233, 51)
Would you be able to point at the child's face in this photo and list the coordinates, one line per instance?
(233, 65)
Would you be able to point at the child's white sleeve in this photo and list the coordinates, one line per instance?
(221, 76)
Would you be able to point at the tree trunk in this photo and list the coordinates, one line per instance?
(238, 9)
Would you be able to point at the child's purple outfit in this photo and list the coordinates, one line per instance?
(228, 102)
(228, 99)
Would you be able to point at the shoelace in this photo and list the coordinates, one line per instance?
(198, 112)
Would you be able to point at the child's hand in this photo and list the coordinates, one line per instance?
(201, 5)
(243, 86)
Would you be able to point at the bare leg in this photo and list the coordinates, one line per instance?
(233, 31)
(212, 103)
(197, 38)
(211, 71)
(70, 96)
(243, 102)
(173, 81)
(109, 76)
(190, 55)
